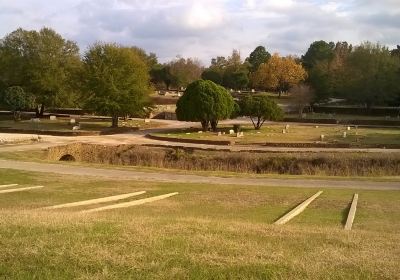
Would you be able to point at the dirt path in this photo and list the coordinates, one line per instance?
(181, 178)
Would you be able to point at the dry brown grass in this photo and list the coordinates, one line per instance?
(331, 164)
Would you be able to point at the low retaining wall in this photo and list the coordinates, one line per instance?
(191, 141)
(50, 132)
(107, 131)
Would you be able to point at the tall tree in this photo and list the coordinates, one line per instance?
(185, 71)
(258, 57)
(318, 51)
(372, 75)
(205, 102)
(279, 74)
(42, 63)
(116, 81)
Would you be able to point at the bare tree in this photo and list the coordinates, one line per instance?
(303, 95)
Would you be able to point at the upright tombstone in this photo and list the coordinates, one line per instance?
(72, 121)
(344, 134)
(231, 131)
(348, 128)
(322, 137)
(53, 118)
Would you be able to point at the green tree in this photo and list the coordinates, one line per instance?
(213, 74)
(205, 102)
(372, 75)
(258, 57)
(116, 81)
(318, 51)
(42, 63)
(17, 99)
(260, 108)
(396, 51)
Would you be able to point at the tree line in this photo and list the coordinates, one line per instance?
(42, 69)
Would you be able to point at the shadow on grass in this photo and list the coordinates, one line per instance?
(345, 213)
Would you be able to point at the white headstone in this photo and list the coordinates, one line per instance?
(231, 131)
(199, 131)
(344, 134)
(72, 121)
(322, 137)
(284, 131)
(348, 128)
(187, 133)
(219, 133)
(316, 126)
(146, 120)
(287, 127)
(53, 118)
(75, 127)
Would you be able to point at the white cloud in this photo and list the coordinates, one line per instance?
(209, 27)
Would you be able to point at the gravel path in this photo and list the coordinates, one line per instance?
(117, 174)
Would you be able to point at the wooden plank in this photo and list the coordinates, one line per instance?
(7, 186)
(352, 213)
(95, 201)
(20, 189)
(296, 211)
(131, 203)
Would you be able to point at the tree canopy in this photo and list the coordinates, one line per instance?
(116, 81)
(17, 99)
(205, 102)
(372, 75)
(258, 57)
(279, 73)
(42, 63)
(260, 108)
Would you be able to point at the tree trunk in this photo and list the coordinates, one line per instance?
(114, 121)
(214, 125)
(39, 111)
(205, 125)
(17, 116)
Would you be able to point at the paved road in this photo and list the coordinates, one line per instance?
(182, 178)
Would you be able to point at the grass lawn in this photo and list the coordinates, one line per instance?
(62, 124)
(272, 133)
(205, 232)
(314, 116)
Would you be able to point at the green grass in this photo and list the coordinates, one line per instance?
(205, 232)
(314, 116)
(62, 124)
(272, 133)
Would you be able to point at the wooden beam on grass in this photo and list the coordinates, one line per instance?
(296, 211)
(95, 201)
(352, 213)
(131, 203)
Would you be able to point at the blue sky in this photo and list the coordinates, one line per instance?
(207, 28)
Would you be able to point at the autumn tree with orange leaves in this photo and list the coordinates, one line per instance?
(278, 74)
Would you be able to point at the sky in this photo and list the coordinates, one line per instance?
(208, 28)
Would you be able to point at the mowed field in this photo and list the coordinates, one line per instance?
(204, 232)
(272, 133)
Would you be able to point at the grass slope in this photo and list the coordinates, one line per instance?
(205, 232)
